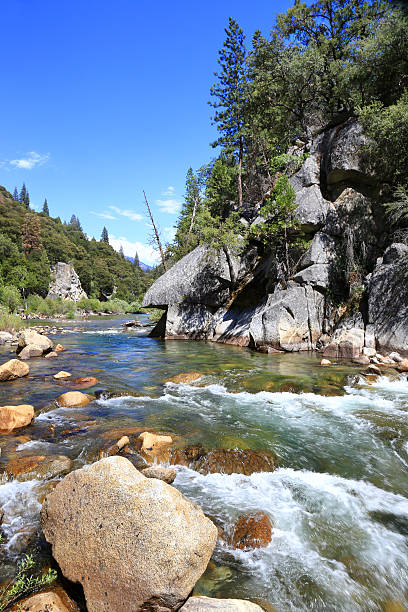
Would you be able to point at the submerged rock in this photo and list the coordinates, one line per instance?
(185, 377)
(13, 369)
(38, 467)
(14, 417)
(252, 531)
(132, 542)
(202, 604)
(224, 461)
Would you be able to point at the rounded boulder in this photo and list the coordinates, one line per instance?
(132, 542)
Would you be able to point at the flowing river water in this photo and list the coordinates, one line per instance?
(338, 501)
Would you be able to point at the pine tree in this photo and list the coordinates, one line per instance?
(23, 193)
(105, 235)
(230, 92)
(45, 209)
(27, 200)
(31, 233)
(121, 251)
(15, 194)
(75, 223)
(136, 260)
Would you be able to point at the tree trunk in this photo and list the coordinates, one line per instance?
(156, 234)
(241, 155)
(190, 229)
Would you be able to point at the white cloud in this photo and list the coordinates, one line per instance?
(146, 253)
(130, 214)
(169, 191)
(104, 215)
(31, 160)
(169, 206)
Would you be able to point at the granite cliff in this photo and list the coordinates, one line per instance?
(348, 291)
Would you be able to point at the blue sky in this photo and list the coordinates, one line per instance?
(102, 99)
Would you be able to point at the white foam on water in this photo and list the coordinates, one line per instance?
(18, 501)
(318, 520)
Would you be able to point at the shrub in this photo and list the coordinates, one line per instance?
(10, 297)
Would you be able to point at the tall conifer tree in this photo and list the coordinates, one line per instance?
(105, 235)
(45, 209)
(230, 94)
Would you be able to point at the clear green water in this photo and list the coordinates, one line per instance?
(338, 502)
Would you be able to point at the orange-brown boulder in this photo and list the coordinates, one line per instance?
(185, 378)
(13, 369)
(51, 601)
(403, 366)
(59, 348)
(252, 531)
(155, 448)
(84, 382)
(13, 417)
(38, 467)
(73, 399)
(224, 461)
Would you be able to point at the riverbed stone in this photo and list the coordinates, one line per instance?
(61, 374)
(73, 399)
(202, 604)
(403, 366)
(59, 348)
(162, 473)
(184, 378)
(38, 467)
(252, 531)
(155, 448)
(13, 369)
(31, 350)
(224, 461)
(14, 417)
(83, 382)
(132, 542)
(30, 337)
(51, 601)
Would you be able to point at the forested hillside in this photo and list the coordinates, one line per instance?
(31, 242)
(323, 63)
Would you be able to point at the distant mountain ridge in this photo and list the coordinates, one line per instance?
(142, 265)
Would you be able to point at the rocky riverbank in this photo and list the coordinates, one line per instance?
(184, 435)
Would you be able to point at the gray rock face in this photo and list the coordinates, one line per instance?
(198, 278)
(291, 320)
(345, 157)
(387, 291)
(65, 283)
(260, 307)
(312, 208)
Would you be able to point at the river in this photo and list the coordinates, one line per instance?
(338, 501)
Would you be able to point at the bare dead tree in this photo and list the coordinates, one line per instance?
(156, 233)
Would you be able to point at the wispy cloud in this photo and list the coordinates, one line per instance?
(30, 161)
(169, 206)
(104, 215)
(130, 214)
(146, 253)
(170, 191)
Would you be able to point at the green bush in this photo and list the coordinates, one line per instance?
(10, 297)
(10, 322)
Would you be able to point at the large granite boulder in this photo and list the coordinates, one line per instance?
(312, 208)
(14, 417)
(134, 543)
(12, 369)
(200, 277)
(387, 290)
(292, 319)
(65, 283)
